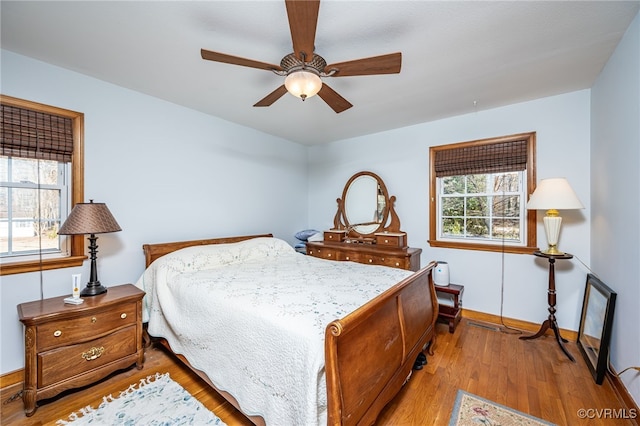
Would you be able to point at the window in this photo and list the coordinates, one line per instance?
(33, 198)
(41, 177)
(479, 191)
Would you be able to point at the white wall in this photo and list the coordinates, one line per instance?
(615, 203)
(401, 158)
(227, 180)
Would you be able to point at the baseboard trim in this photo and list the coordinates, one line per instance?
(11, 378)
(622, 393)
(515, 323)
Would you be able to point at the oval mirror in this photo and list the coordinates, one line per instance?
(365, 202)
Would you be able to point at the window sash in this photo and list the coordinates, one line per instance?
(12, 222)
(491, 216)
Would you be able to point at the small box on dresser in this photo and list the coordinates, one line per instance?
(69, 346)
(335, 235)
(391, 239)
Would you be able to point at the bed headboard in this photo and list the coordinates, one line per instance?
(154, 251)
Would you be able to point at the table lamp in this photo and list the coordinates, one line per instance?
(90, 218)
(553, 194)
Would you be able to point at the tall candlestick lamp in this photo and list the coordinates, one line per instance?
(90, 218)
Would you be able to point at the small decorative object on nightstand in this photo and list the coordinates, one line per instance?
(451, 314)
(69, 346)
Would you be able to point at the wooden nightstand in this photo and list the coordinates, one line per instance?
(69, 346)
(451, 314)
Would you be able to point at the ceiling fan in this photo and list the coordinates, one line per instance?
(304, 68)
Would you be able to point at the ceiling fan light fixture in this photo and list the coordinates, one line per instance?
(303, 84)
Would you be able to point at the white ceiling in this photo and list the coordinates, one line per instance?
(457, 57)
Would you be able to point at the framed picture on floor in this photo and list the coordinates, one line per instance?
(596, 320)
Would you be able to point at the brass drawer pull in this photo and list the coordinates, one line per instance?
(57, 333)
(123, 315)
(93, 320)
(93, 353)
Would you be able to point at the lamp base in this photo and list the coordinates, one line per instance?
(553, 250)
(93, 289)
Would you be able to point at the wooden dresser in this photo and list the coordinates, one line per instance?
(371, 254)
(69, 346)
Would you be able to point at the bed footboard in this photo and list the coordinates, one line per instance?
(369, 354)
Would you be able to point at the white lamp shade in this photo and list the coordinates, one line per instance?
(554, 194)
(303, 84)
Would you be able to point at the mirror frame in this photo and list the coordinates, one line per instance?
(390, 220)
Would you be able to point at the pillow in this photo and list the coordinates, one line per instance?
(318, 236)
(202, 257)
(304, 235)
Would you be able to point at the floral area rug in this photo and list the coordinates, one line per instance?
(471, 410)
(156, 400)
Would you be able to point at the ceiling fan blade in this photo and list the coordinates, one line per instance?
(236, 60)
(384, 64)
(303, 19)
(272, 97)
(333, 99)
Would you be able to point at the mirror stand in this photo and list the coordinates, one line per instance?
(366, 228)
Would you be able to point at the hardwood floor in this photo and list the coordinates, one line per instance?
(531, 376)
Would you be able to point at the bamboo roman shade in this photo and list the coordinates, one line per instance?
(497, 157)
(32, 134)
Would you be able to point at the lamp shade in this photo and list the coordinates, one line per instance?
(303, 84)
(89, 218)
(554, 194)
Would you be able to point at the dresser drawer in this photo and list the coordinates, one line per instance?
(395, 262)
(326, 253)
(74, 330)
(352, 257)
(391, 239)
(62, 363)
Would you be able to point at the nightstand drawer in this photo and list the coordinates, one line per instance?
(64, 332)
(59, 364)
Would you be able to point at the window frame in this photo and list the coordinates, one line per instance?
(530, 219)
(76, 255)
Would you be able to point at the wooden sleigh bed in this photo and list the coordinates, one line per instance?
(368, 354)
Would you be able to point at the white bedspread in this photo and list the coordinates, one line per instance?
(252, 316)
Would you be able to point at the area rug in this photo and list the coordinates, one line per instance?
(156, 400)
(471, 410)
